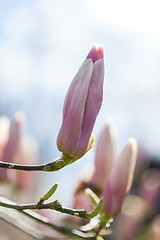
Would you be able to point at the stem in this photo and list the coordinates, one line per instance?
(60, 228)
(103, 221)
(15, 219)
(56, 205)
(45, 221)
(52, 166)
(56, 165)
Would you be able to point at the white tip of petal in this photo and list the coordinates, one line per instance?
(132, 143)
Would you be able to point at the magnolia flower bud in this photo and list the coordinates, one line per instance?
(4, 134)
(26, 154)
(119, 180)
(82, 105)
(105, 156)
(14, 138)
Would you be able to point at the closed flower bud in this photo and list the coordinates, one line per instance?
(26, 154)
(9, 140)
(4, 134)
(119, 180)
(82, 105)
(14, 138)
(105, 156)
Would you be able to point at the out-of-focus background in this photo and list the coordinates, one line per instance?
(43, 43)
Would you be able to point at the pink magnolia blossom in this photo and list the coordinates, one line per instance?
(11, 138)
(14, 139)
(82, 105)
(15, 147)
(95, 178)
(105, 156)
(4, 135)
(119, 180)
(26, 154)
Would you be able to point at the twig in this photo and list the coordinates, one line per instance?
(52, 166)
(56, 205)
(15, 218)
(60, 228)
(56, 165)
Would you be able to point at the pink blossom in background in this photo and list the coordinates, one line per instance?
(104, 156)
(119, 180)
(95, 178)
(17, 147)
(4, 135)
(149, 188)
(12, 140)
(14, 137)
(27, 154)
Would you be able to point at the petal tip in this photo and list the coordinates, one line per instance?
(96, 53)
(132, 143)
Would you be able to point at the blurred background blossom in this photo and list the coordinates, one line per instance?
(42, 44)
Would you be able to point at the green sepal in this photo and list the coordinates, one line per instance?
(99, 238)
(67, 159)
(105, 220)
(97, 209)
(94, 198)
(91, 143)
(50, 192)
